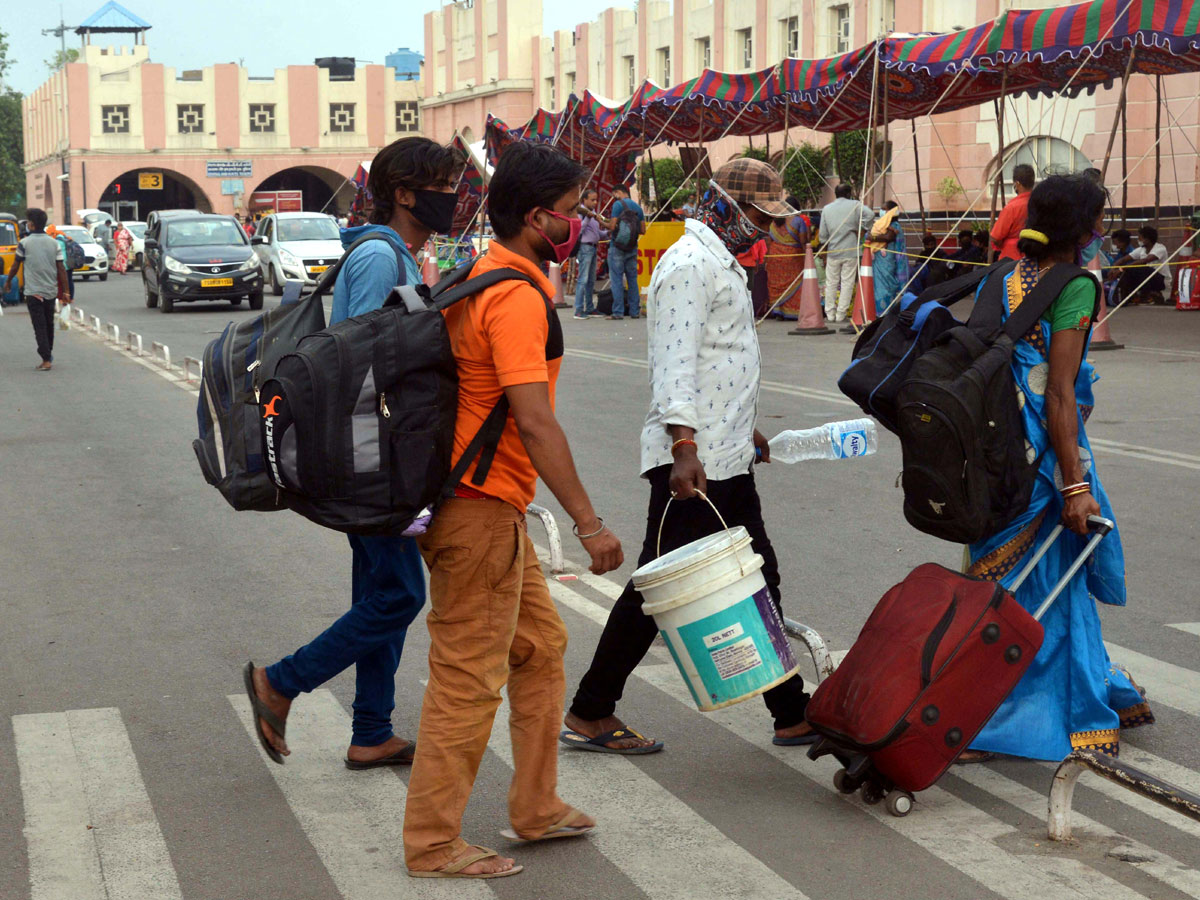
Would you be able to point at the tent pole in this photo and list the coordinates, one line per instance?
(1124, 163)
(837, 157)
(917, 169)
(998, 185)
(1112, 135)
(1157, 145)
(885, 159)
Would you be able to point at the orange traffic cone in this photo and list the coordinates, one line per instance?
(810, 320)
(864, 300)
(429, 269)
(1101, 336)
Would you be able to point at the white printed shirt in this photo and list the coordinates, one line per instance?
(704, 355)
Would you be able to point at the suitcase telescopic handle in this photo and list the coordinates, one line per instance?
(1098, 526)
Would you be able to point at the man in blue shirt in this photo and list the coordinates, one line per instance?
(623, 263)
(413, 184)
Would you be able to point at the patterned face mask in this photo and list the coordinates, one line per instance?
(725, 218)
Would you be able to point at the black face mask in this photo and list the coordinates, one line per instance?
(435, 210)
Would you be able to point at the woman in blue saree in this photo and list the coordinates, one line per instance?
(1072, 696)
(889, 262)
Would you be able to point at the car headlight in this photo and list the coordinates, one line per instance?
(288, 259)
(101, 253)
(250, 265)
(174, 265)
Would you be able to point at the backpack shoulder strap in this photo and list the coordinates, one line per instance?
(330, 275)
(1047, 290)
(949, 292)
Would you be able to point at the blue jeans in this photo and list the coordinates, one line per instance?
(586, 280)
(387, 592)
(622, 270)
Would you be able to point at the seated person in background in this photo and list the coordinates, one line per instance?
(1145, 279)
(981, 243)
(930, 269)
(967, 254)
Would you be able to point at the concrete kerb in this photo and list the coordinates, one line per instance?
(132, 346)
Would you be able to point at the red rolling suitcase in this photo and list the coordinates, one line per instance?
(934, 661)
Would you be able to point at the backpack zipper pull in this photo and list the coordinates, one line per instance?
(383, 409)
(250, 368)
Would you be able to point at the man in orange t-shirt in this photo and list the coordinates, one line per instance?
(1011, 220)
(492, 621)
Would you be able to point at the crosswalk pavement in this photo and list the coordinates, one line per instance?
(91, 831)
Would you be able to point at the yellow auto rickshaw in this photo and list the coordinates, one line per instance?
(8, 253)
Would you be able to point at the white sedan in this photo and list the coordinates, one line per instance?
(97, 254)
(296, 246)
(137, 230)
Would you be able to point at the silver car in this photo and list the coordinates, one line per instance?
(296, 246)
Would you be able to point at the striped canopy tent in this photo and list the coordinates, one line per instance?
(470, 185)
(1037, 51)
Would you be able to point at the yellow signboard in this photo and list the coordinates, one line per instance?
(150, 181)
(652, 245)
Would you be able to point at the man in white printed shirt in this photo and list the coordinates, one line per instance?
(699, 437)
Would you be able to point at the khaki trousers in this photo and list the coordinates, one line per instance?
(491, 622)
(841, 275)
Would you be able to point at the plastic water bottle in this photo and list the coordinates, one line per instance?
(836, 440)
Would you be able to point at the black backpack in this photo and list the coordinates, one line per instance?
(887, 348)
(235, 365)
(358, 422)
(966, 470)
(76, 258)
(628, 229)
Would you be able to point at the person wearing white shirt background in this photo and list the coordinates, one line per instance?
(699, 436)
(1149, 279)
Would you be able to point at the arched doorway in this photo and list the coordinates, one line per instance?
(133, 195)
(303, 188)
(1048, 156)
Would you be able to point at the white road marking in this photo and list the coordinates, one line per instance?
(1137, 451)
(1158, 865)
(959, 834)
(89, 824)
(1162, 351)
(1189, 627)
(353, 819)
(664, 847)
(1163, 681)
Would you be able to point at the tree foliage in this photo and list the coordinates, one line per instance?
(61, 58)
(671, 187)
(849, 151)
(803, 173)
(12, 145)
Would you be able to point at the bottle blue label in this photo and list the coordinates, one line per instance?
(850, 443)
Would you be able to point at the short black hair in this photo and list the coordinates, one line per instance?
(843, 191)
(528, 176)
(1122, 234)
(412, 163)
(979, 237)
(890, 204)
(966, 234)
(37, 218)
(621, 188)
(589, 191)
(1024, 175)
(1149, 232)
(1064, 208)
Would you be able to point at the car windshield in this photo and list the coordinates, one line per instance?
(317, 228)
(77, 234)
(91, 218)
(8, 233)
(137, 229)
(204, 233)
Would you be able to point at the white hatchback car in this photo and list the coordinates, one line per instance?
(99, 264)
(296, 246)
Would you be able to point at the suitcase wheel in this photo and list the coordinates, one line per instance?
(844, 783)
(899, 803)
(871, 793)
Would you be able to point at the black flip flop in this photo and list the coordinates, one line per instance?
(402, 757)
(596, 744)
(260, 712)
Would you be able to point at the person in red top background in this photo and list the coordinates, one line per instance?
(1012, 218)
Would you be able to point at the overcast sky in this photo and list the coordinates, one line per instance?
(265, 35)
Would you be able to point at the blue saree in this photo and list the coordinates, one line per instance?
(1072, 696)
(889, 269)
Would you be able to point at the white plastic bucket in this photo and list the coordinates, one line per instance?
(711, 604)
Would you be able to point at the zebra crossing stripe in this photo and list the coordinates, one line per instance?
(959, 834)
(687, 855)
(89, 824)
(1164, 682)
(354, 820)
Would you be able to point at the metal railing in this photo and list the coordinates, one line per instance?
(553, 537)
(133, 343)
(190, 362)
(822, 661)
(160, 351)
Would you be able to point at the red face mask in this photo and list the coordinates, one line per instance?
(562, 251)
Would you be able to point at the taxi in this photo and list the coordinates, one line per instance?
(8, 254)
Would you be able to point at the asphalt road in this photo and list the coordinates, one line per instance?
(132, 594)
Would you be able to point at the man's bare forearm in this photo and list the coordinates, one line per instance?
(548, 450)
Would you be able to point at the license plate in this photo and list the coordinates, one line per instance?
(216, 282)
(84, 269)
(316, 270)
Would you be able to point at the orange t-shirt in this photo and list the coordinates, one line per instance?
(1009, 224)
(500, 338)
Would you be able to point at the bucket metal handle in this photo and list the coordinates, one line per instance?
(721, 518)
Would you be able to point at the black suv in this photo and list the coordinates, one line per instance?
(200, 257)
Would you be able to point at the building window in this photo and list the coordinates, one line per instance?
(407, 116)
(704, 53)
(745, 40)
(840, 16)
(631, 73)
(791, 36)
(664, 66)
(262, 118)
(889, 15)
(341, 118)
(549, 93)
(570, 82)
(114, 119)
(190, 117)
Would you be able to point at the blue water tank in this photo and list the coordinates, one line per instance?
(407, 64)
